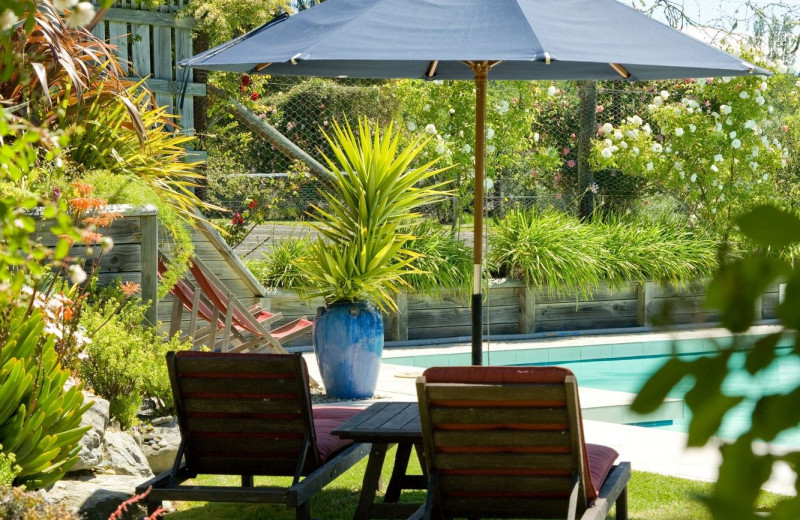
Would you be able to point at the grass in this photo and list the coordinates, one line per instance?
(650, 497)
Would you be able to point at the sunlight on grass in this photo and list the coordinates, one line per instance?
(650, 497)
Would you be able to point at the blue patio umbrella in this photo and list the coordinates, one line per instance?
(476, 40)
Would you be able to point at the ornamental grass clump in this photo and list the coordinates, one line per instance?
(278, 268)
(547, 249)
(655, 250)
(445, 261)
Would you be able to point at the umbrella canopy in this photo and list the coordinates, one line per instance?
(472, 39)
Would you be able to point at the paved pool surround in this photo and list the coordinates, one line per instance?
(605, 412)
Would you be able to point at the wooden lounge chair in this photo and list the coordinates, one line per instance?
(507, 442)
(240, 321)
(250, 415)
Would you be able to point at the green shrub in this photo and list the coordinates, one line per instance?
(125, 361)
(446, 261)
(39, 420)
(17, 504)
(279, 267)
(547, 249)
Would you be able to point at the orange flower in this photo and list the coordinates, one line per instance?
(104, 219)
(84, 189)
(84, 204)
(130, 288)
(90, 237)
(66, 313)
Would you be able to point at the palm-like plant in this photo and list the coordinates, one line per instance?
(374, 193)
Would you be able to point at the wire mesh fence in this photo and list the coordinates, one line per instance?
(532, 153)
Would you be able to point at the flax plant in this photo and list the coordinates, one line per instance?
(361, 251)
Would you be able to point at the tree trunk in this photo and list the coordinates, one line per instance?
(588, 128)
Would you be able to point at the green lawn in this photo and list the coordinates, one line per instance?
(650, 497)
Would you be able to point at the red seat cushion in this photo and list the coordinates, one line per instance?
(327, 419)
(601, 459)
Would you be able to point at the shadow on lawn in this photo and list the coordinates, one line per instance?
(328, 504)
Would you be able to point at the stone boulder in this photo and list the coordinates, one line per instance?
(97, 417)
(124, 456)
(96, 497)
(160, 443)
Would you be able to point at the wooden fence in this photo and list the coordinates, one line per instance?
(150, 44)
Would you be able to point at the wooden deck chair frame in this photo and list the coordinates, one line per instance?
(511, 449)
(237, 317)
(246, 415)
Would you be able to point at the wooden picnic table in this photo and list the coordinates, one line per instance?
(384, 424)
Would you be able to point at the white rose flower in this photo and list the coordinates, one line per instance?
(633, 133)
(551, 91)
(679, 131)
(657, 101)
(668, 149)
(760, 100)
(536, 137)
(681, 174)
(608, 128)
(744, 95)
(452, 111)
(490, 148)
(623, 145)
(726, 79)
(753, 165)
(718, 127)
(664, 95)
(647, 129)
(430, 129)
(725, 109)
(606, 153)
(8, 19)
(732, 135)
(770, 109)
(765, 176)
(81, 14)
(106, 244)
(488, 184)
(649, 166)
(750, 124)
(440, 148)
(467, 148)
(426, 108)
(755, 151)
(722, 197)
(736, 143)
(714, 168)
(718, 157)
(693, 178)
(692, 128)
(763, 85)
(502, 107)
(617, 134)
(701, 81)
(678, 165)
(635, 150)
(656, 148)
(490, 133)
(77, 274)
(411, 125)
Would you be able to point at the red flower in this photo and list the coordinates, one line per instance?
(241, 89)
(253, 204)
(245, 80)
(254, 96)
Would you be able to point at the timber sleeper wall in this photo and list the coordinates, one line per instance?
(514, 308)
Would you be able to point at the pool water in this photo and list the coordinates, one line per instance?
(630, 374)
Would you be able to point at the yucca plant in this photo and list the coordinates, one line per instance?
(363, 228)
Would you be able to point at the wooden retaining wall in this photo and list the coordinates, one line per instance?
(514, 308)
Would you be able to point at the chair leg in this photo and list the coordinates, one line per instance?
(303, 511)
(247, 480)
(622, 505)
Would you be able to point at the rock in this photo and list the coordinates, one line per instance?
(162, 448)
(97, 417)
(95, 498)
(162, 420)
(125, 456)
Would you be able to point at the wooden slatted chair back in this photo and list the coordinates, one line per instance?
(503, 442)
(244, 414)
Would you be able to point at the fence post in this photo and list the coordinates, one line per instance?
(149, 224)
(400, 318)
(644, 299)
(527, 309)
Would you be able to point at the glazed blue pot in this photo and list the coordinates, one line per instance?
(348, 343)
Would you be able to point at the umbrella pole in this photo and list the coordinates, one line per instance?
(481, 70)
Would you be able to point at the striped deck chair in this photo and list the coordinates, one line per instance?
(507, 442)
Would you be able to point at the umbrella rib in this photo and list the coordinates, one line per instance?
(432, 69)
(620, 70)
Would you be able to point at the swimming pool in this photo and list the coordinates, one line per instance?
(626, 365)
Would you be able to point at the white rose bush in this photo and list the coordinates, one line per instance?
(707, 143)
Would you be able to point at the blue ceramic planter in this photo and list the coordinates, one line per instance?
(348, 343)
